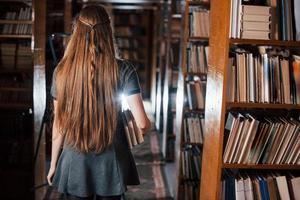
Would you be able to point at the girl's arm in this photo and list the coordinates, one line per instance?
(136, 105)
(57, 140)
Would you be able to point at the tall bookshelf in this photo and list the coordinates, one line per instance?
(188, 145)
(22, 96)
(170, 82)
(217, 107)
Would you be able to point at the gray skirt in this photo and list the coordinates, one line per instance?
(104, 174)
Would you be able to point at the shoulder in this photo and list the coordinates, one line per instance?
(126, 68)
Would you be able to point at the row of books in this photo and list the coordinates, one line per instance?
(287, 11)
(263, 78)
(270, 140)
(193, 128)
(9, 97)
(197, 58)
(188, 191)
(129, 31)
(196, 94)
(199, 22)
(191, 163)
(13, 55)
(22, 14)
(272, 186)
(275, 19)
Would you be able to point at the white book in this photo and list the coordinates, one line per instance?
(248, 189)
(266, 71)
(256, 10)
(250, 135)
(256, 18)
(282, 187)
(239, 190)
(234, 18)
(251, 77)
(239, 16)
(296, 187)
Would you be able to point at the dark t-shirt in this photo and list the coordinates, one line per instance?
(128, 79)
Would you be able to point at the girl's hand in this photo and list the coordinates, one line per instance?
(50, 175)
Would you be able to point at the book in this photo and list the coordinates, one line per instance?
(133, 133)
(282, 187)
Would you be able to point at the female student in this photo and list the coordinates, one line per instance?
(88, 81)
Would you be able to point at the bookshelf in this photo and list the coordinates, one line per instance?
(170, 83)
(190, 115)
(22, 96)
(217, 106)
(134, 35)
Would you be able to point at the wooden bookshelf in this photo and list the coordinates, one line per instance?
(261, 166)
(182, 111)
(217, 107)
(32, 82)
(236, 105)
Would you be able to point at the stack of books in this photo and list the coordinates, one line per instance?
(133, 134)
(197, 58)
(199, 22)
(267, 140)
(255, 22)
(265, 186)
(251, 22)
(263, 78)
(193, 126)
(196, 94)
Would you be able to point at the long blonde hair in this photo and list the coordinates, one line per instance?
(87, 83)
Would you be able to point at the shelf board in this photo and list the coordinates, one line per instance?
(7, 21)
(191, 143)
(16, 36)
(198, 3)
(185, 74)
(196, 111)
(261, 166)
(15, 71)
(231, 105)
(18, 106)
(266, 42)
(15, 89)
(198, 39)
(131, 36)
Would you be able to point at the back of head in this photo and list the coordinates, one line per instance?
(87, 83)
